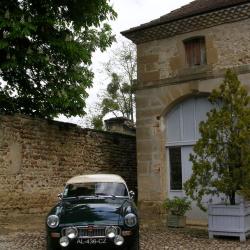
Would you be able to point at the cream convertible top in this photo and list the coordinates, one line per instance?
(96, 178)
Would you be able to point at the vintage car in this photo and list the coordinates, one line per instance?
(94, 211)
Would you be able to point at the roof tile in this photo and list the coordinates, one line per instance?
(196, 7)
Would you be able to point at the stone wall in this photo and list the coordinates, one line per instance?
(38, 156)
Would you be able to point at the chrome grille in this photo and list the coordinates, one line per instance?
(85, 232)
(91, 232)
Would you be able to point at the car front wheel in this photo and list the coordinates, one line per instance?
(135, 245)
(52, 245)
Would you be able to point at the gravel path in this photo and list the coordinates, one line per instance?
(160, 239)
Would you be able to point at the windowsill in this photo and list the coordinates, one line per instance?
(184, 75)
(181, 143)
(195, 70)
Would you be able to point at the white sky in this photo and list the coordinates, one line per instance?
(131, 13)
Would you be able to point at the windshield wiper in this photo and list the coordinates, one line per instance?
(97, 194)
(106, 195)
(79, 197)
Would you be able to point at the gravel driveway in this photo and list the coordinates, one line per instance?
(150, 240)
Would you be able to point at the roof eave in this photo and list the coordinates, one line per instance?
(139, 28)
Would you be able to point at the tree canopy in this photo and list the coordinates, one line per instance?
(118, 98)
(45, 54)
(221, 158)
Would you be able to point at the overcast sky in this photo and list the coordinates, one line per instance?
(131, 13)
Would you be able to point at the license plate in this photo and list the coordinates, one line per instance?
(91, 241)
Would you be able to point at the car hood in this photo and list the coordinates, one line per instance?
(91, 211)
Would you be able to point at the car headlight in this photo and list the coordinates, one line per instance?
(111, 232)
(130, 220)
(53, 221)
(64, 241)
(71, 232)
(118, 240)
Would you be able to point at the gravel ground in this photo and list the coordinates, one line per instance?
(153, 239)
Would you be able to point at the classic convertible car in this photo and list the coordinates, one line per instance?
(94, 211)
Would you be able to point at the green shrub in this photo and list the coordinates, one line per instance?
(177, 205)
(221, 157)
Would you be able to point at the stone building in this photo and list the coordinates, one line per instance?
(182, 56)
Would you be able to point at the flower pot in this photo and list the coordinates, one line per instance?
(229, 220)
(176, 220)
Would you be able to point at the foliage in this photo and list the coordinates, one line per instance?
(45, 53)
(177, 206)
(118, 98)
(97, 122)
(221, 158)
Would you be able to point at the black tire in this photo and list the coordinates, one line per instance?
(52, 245)
(135, 245)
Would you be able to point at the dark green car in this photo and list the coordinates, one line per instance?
(94, 212)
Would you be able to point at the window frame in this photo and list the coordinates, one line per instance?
(195, 51)
(171, 179)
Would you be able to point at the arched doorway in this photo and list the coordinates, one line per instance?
(182, 132)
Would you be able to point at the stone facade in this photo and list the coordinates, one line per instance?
(163, 61)
(164, 80)
(38, 156)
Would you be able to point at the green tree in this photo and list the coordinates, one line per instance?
(221, 162)
(118, 98)
(96, 122)
(45, 54)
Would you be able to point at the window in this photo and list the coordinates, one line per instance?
(175, 168)
(195, 51)
(95, 188)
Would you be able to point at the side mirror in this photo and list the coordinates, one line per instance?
(132, 194)
(60, 195)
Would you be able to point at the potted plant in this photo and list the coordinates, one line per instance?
(221, 160)
(176, 208)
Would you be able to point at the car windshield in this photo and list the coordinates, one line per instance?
(95, 188)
